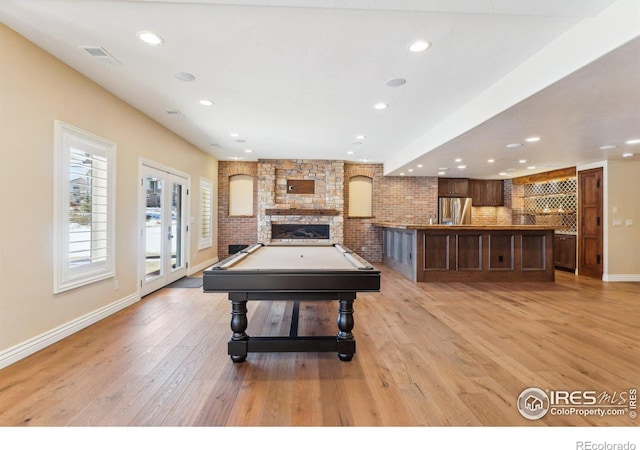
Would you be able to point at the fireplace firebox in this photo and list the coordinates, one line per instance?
(299, 231)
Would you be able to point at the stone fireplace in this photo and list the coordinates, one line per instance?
(307, 214)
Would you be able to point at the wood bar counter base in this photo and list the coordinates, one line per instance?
(469, 253)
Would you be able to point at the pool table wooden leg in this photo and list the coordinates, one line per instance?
(345, 325)
(237, 347)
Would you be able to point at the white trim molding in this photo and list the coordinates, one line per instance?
(31, 346)
(202, 266)
(622, 277)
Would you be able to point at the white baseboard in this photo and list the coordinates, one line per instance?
(633, 277)
(30, 346)
(202, 266)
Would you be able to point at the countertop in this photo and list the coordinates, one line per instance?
(418, 226)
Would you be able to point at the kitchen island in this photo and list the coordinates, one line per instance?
(444, 253)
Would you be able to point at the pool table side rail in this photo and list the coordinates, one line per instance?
(291, 281)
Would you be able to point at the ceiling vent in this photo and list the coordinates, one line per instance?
(101, 55)
(174, 112)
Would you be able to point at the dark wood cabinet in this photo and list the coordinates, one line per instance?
(476, 192)
(453, 187)
(494, 192)
(486, 192)
(564, 251)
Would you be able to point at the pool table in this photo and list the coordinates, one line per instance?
(294, 272)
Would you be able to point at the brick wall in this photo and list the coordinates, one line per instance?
(235, 230)
(359, 235)
(395, 199)
(490, 215)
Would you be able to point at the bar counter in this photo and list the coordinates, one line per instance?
(444, 253)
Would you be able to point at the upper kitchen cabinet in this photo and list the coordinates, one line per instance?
(453, 187)
(486, 192)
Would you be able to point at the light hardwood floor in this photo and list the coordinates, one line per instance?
(428, 354)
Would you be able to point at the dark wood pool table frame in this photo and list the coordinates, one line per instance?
(292, 284)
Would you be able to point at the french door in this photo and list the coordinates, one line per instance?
(163, 213)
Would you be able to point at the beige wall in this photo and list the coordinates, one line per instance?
(35, 90)
(623, 194)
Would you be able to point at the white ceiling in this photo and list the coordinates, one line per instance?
(298, 79)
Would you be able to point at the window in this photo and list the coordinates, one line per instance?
(84, 225)
(360, 196)
(206, 209)
(241, 195)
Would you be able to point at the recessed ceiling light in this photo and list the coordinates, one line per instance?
(627, 155)
(349, 153)
(360, 137)
(531, 167)
(396, 82)
(184, 76)
(608, 147)
(503, 173)
(149, 37)
(514, 145)
(491, 161)
(380, 106)
(442, 168)
(248, 150)
(401, 173)
(522, 161)
(234, 135)
(420, 46)
(462, 167)
(441, 173)
(419, 165)
(410, 170)
(633, 141)
(532, 139)
(206, 102)
(458, 159)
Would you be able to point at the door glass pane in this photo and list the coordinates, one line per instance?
(153, 251)
(176, 227)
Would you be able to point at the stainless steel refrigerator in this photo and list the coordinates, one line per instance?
(454, 211)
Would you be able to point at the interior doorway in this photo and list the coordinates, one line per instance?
(163, 213)
(590, 216)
